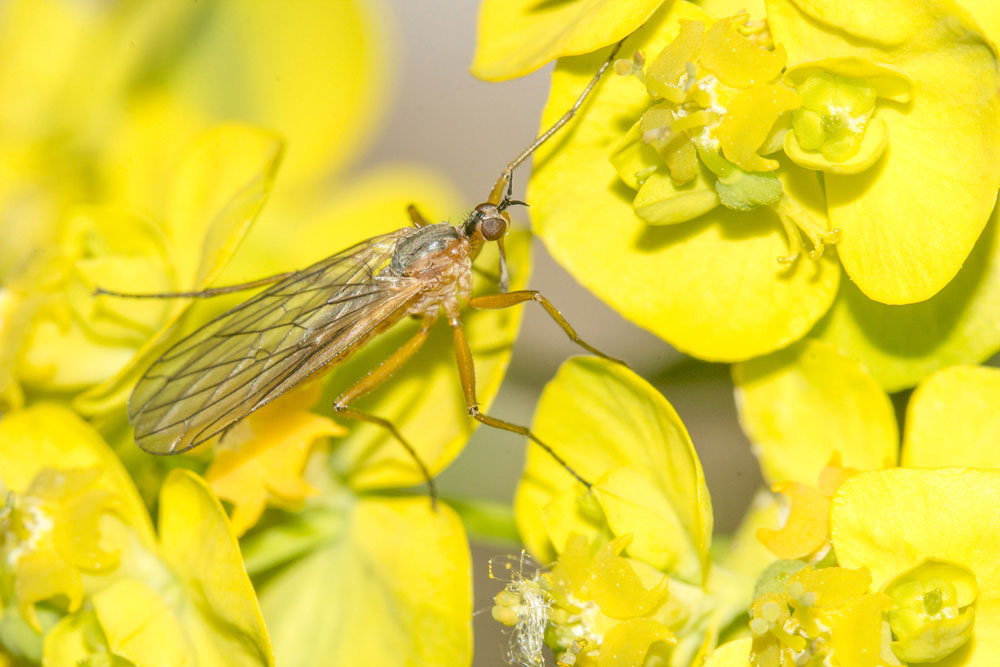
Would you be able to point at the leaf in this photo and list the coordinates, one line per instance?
(618, 432)
(393, 588)
(801, 405)
(221, 616)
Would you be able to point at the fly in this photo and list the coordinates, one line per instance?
(315, 318)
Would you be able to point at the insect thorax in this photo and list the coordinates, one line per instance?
(419, 244)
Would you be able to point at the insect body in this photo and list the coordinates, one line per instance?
(315, 318)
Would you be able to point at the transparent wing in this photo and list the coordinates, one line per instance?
(253, 353)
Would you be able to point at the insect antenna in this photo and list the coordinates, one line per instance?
(503, 182)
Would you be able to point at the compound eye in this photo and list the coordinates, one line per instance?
(493, 228)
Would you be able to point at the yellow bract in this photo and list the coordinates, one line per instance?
(519, 36)
(386, 582)
(921, 208)
(952, 420)
(710, 287)
(804, 404)
(263, 457)
(937, 514)
(618, 432)
(900, 345)
(77, 533)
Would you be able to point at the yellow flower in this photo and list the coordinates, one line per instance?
(701, 129)
(944, 583)
(918, 531)
(708, 285)
(649, 503)
(594, 605)
(263, 457)
(818, 616)
(77, 543)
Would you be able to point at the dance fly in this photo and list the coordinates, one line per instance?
(313, 319)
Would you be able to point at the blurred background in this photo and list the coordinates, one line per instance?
(442, 117)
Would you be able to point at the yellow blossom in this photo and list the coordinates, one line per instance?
(76, 538)
(593, 604)
(706, 288)
(263, 457)
(918, 531)
(648, 502)
(947, 570)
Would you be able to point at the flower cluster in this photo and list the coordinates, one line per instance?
(802, 188)
(857, 143)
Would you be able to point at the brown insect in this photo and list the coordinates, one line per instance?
(313, 319)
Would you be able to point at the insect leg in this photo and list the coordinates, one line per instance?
(211, 291)
(415, 217)
(467, 373)
(375, 378)
(497, 301)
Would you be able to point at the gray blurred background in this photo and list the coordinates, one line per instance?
(444, 118)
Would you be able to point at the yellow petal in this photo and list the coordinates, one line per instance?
(263, 457)
(215, 196)
(952, 420)
(709, 287)
(216, 193)
(801, 405)
(805, 530)
(748, 121)
(634, 505)
(934, 513)
(601, 416)
(922, 206)
(732, 654)
(517, 37)
(198, 542)
(51, 436)
(899, 345)
(392, 587)
(140, 625)
(986, 13)
(628, 643)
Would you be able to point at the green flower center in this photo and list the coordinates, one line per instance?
(834, 115)
(934, 613)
